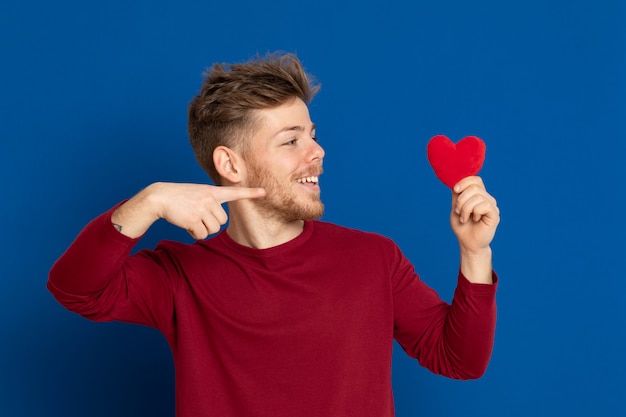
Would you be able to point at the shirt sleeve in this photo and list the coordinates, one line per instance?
(454, 340)
(98, 278)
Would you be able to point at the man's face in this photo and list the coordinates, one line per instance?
(285, 159)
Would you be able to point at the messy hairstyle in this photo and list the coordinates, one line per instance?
(221, 113)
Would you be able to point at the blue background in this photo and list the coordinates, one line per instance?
(93, 100)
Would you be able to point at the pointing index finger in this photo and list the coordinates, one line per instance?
(226, 194)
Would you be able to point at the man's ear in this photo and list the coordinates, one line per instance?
(229, 164)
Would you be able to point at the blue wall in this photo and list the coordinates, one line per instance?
(93, 107)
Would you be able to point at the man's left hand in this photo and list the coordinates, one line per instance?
(474, 216)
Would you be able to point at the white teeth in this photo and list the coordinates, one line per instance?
(313, 180)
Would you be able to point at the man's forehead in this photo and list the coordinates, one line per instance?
(292, 116)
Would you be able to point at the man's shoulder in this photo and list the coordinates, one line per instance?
(188, 255)
(177, 249)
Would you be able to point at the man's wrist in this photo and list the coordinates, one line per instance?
(477, 266)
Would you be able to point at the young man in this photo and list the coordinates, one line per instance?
(279, 314)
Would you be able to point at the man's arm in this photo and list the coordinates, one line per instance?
(96, 276)
(455, 340)
(99, 251)
(196, 208)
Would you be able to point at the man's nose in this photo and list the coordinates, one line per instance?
(316, 151)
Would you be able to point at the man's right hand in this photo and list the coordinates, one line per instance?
(196, 208)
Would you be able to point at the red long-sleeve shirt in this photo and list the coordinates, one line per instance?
(301, 329)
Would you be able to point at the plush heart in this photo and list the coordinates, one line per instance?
(453, 162)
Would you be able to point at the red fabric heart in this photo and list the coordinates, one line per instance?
(451, 162)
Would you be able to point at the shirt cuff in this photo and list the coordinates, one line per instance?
(479, 289)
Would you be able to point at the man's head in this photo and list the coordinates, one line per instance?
(223, 113)
(285, 159)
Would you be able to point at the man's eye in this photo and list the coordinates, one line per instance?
(291, 142)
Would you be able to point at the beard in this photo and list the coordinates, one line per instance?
(281, 201)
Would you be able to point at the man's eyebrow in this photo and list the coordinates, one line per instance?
(296, 128)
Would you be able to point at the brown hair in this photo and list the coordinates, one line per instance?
(221, 112)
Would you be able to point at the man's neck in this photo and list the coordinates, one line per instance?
(255, 230)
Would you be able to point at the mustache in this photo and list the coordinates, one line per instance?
(311, 172)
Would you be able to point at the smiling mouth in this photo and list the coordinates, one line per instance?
(308, 180)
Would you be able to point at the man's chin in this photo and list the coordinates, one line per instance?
(315, 216)
(310, 213)
(315, 213)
